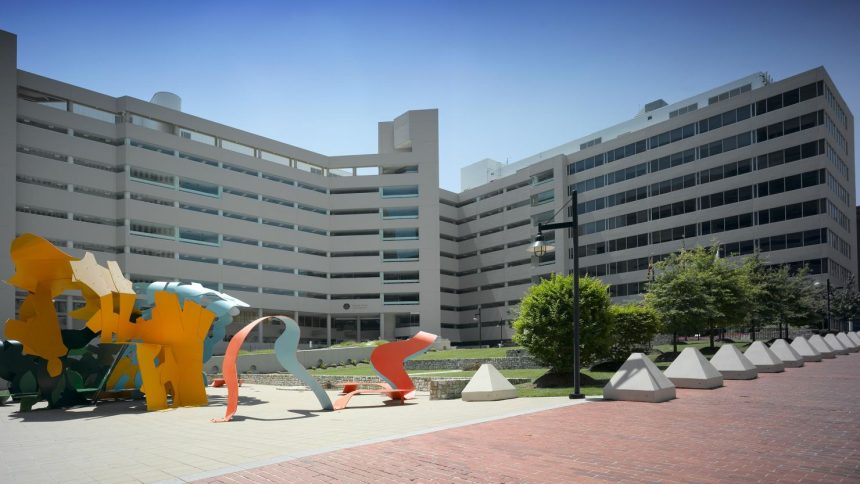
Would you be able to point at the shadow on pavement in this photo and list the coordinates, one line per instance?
(110, 409)
(301, 414)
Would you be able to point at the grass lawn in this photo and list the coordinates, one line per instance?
(601, 378)
(255, 352)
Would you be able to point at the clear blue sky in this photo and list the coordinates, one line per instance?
(510, 79)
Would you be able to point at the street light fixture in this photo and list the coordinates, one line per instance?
(540, 248)
(477, 318)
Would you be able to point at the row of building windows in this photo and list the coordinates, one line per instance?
(537, 179)
(388, 299)
(838, 216)
(761, 217)
(182, 234)
(745, 247)
(770, 104)
(838, 189)
(535, 220)
(199, 137)
(499, 304)
(29, 150)
(836, 160)
(386, 192)
(806, 121)
(836, 107)
(840, 245)
(728, 170)
(215, 191)
(734, 195)
(729, 94)
(687, 156)
(150, 147)
(836, 133)
(814, 266)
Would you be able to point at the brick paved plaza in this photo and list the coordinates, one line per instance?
(797, 426)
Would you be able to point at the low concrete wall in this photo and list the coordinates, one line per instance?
(518, 363)
(423, 384)
(221, 346)
(448, 389)
(268, 363)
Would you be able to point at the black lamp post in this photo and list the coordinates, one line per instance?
(827, 315)
(539, 248)
(478, 319)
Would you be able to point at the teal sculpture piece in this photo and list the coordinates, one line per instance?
(223, 305)
(286, 347)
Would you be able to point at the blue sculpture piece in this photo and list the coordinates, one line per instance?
(223, 305)
(286, 347)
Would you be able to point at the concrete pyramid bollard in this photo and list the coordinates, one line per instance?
(639, 380)
(818, 343)
(847, 342)
(790, 358)
(853, 337)
(805, 350)
(733, 364)
(763, 358)
(834, 343)
(488, 384)
(692, 370)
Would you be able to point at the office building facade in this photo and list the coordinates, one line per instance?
(368, 246)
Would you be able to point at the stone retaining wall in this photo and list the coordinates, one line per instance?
(515, 363)
(446, 391)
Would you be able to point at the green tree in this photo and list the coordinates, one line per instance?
(633, 328)
(544, 324)
(844, 302)
(695, 290)
(766, 286)
(776, 294)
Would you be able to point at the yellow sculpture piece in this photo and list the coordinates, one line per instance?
(169, 344)
(170, 352)
(113, 292)
(44, 271)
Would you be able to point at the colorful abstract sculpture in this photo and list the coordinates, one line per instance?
(286, 347)
(223, 305)
(387, 360)
(168, 341)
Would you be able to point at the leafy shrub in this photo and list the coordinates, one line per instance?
(633, 328)
(544, 325)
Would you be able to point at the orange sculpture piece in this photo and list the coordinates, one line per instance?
(387, 361)
(285, 351)
(231, 376)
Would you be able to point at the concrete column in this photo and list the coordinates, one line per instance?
(381, 326)
(358, 329)
(260, 328)
(69, 312)
(328, 329)
(8, 143)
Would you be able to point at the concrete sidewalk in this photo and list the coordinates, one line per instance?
(798, 426)
(121, 442)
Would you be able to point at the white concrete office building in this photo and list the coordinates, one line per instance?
(368, 246)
